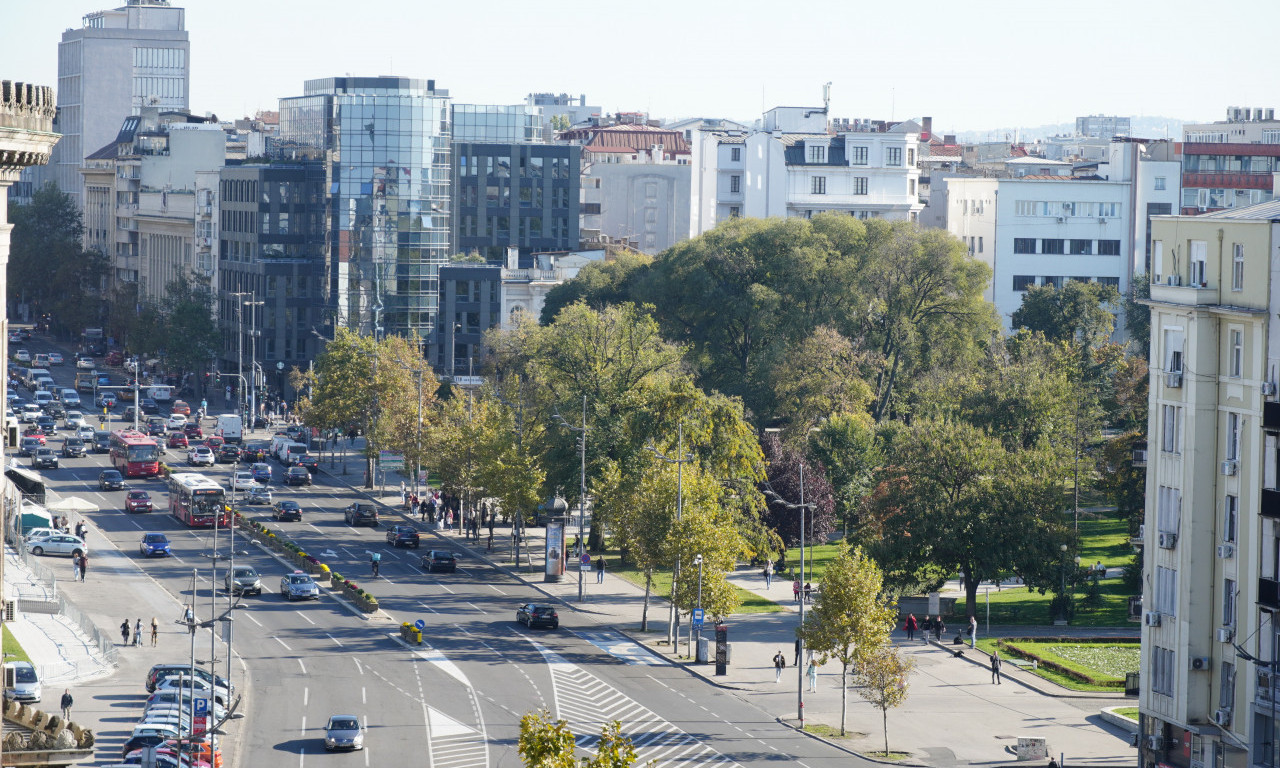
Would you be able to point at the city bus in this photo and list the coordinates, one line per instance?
(134, 454)
(197, 500)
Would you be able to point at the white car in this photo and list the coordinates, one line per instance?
(241, 481)
(55, 358)
(69, 398)
(30, 412)
(202, 686)
(22, 355)
(85, 363)
(176, 421)
(73, 420)
(85, 432)
(200, 455)
(58, 544)
(40, 533)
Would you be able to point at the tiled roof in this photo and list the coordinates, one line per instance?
(1267, 211)
(944, 150)
(628, 138)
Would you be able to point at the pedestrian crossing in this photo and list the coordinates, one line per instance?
(621, 647)
(586, 703)
(454, 745)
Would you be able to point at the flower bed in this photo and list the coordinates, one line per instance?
(1095, 661)
(308, 564)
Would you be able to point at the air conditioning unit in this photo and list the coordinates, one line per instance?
(1102, 220)
(1062, 219)
(1155, 742)
(1151, 618)
(1173, 379)
(1229, 467)
(1268, 389)
(1226, 551)
(1225, 634)
(1222, 717)
(1175, 280)
(1167, 540)
(1200, 663)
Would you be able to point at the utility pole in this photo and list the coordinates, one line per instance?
(253, 359)
(582, 486)
(680, 460)
(239, 297)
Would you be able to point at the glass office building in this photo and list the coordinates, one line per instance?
(497, 123)
(388, 143)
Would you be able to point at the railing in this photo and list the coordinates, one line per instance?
(103, 642)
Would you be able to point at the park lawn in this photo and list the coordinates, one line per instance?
(748, 602)
(1019, 605)
(816, 559)
(1105, 539)
(13, 651)
(1108, 651)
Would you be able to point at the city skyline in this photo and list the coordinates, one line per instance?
(1042, 67)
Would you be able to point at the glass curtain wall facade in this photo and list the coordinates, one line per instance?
(388, 143)
(497, 123)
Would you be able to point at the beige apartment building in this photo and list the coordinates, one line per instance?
(1211, 578)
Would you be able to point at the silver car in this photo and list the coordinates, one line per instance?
(343, 732)
(26, 683)
(299, 586)
(58, 544)
(243, 581)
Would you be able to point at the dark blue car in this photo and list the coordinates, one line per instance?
(154, 545)
(261, 472)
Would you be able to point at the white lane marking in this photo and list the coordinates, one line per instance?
(306, 696)
(249, 616)
(429, 608)
(495, 589)
(304, 667)
(364, 699)
(303, 730)
(621, 647)
(278, 640)
(359, 667)
(366, 749)
(334, 639)
(445, 588)
(302, 752)
(478, 608)
(439, 660)
(317, 530)
(350, 554)
(390, 552)
(137, 524)
(309, 621)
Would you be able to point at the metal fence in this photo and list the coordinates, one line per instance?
(106, 644)
(98, 638)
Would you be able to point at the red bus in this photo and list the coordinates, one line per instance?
(198, 501)
(134, 454)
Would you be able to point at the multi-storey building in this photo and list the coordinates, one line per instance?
(1229, 163)
(1102, 126)
(1211, 582)
(387, 140)
(575, 110)
(117, 62)
(497, 123)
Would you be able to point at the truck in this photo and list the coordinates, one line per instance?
(161, 393)
(230, 428)
(86, 381)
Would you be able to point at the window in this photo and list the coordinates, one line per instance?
(1230, 518)
(1171, 424)
(735, 154)
(1227, 691)
(1157, 260)
(1023, 282)
(1159, 183)
(1162, 671)
(817, 153)
(734, 211)
(1237, 266)
(857, 155)
(911, 157)
(912, 189)
(860, 185)
(1054, 280)
(1051, 246)
(1173, 350)
(735, 183)
(1236, 343)
(1166, 591)
(1228, 602)
(1199, 255)
(1108, 247)
(979, 244)
(818, 185)
(1233, 436)
(893, 156)
(1024, 245)
(1114, 282)
(1081, 247)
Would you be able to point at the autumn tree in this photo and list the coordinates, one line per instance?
(786, 465)
(545, 743)
(882, 680)
(848, 448)
(852, 619)
(819, 378)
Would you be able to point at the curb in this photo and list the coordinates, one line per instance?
(378, 614)
(913, 761)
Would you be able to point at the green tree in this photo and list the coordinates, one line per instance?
(848, 449)
(191, 336)
(547, 744)
(1137, 316)
(707, 527)
(1125, 484)
(598, 284)
(852, 619)
(1081, 312)
(642, 508)
(818, 378)
(882, 680)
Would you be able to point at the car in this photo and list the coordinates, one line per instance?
(250, 452)
(343, 732)
(138, 501)
(179, 702)
(24, 334)
(161, 671)
(403, 536)
(58, 544)
(176, 421)
(45, 458)
(104, 380)
(228, 454)
(25, 682)
(154, 545)
(439, 560)
(130, 413)
(40, 533)
(258, 494)
(188, 682)
(311, 462)
(200, 456)
(85, 363)
(177, 440)
(538, 615)
(214, 442)
(110, 480)
(243, 580)
(73, 420)
(298, 586)
(180, 407)
(29, 413)
(261, 472)
(114, 357)
(70, 398)
(107, 400)
(297, 476)
(361, 514)
(28, 446)
(55, 410)
(46, 425)
(192, 430)
(56, 358)
(85, 433)
(240, 481)
(144, 741)
(286, 510)
(73, 448)
(149, 406)
(22, 355)
(156, 430)
(101, 441)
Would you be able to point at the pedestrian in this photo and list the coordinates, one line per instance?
(404, 496)
(124, 631)
(808, 592)
(973, 631)
(67, 701)
(910, 626)
(1053, 763)
(927, 627)
(413, 505)
(155, 631)
(995, 667)
(939, 626)
(768, 574)
(75, 567)
(795, 590)
(137, 632)
(84, 564)
(797, 652)
(779, 661)
(812, 673)
(600, 569)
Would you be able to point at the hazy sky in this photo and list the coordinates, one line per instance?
(971, 64)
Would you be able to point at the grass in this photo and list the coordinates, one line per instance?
(830, 731)
(749, 602)
(1098, 660)
(1129, 712)
(13, 651)
(1020, 605)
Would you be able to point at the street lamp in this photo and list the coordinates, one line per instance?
(681, 458)
(582, 488)
(253, 358)
(697, 560)
(417, 456)
(801, 507)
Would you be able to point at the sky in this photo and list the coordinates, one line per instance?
(975, 65)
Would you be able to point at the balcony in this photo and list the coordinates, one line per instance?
(1271, 503)
(1178, 292)
(1269, 593)
(1227, 180)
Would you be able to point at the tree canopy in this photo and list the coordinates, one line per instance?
(1079, 311)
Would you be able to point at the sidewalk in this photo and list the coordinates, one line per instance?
(948, 694)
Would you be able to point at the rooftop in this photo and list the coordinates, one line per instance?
(1267, 211)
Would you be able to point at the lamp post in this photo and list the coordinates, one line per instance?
(253, 358)
(417, 443)
(681, 458)
(239, 297)
(582, 487)
(697, 560)
(801, 507)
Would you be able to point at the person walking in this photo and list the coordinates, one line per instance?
(75, 567)
(84, 564)
(808, 592)
(66, 702)
(124, 631)
(797, 651)
(600, 569)
(795, 591)
(939, 626)
(995, 667)
(779, 662)
(137, 632)
(768, 574)
(812, 673)
(973, 632)
(910, 626)
(927, 627)
(155, 631)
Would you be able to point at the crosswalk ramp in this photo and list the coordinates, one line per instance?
(621, 647)
(586, 703)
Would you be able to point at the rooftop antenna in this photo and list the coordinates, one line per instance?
(826, 98)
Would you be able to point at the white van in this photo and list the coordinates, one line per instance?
(160, 393)
(230, 428)
(293, 452)
(33, 374)
(279, 446)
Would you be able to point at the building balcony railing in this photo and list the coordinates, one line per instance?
(1268, 593)
(1227, 180)
(1271, 502)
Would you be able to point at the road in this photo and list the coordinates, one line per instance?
(456, 701)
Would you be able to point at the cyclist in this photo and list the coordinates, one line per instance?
(375, 560)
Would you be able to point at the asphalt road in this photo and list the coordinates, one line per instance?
(456, 701)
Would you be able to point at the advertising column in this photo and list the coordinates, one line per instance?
(555, 550)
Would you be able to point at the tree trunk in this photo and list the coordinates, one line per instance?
(844, 694)
(644, 612)
(970, 594)
(884, 719)
(882, 406)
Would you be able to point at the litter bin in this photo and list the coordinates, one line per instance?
(704, 650)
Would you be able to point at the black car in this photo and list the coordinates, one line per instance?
(73, 448)
(312, 463)
(403, 536)
(141, 742)
(46, 425)
(361, 514)
(538, 615)
(297, 476)
(130, 412)
(149, 406)
(228, 454)
(156, 430)
(45, 458)
(287, 510)
(110, 480)
(55, 410)
(101, 442)
(439, 560)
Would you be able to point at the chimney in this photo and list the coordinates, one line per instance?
(513, 257)
(927, 126)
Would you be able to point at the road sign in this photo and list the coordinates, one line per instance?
(390, 460)
(201, 706)
(698, 615)
(200, 723)
(420, 624)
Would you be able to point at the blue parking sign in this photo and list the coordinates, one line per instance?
(201, 706)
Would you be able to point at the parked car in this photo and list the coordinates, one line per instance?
(243, 580)
(439, 561)
(138, 501)
(58, 544)
(538, 615)
(403, 536)
(154, 545)
(110, 480)
(361, 514)
(25, 684)
(286, 510)
(161, 671)
(297, 476)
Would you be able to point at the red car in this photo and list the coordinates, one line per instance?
(214, 442)
(177, 440)
(115, 357)
(138, 501)
(192, 430)
(37, 435)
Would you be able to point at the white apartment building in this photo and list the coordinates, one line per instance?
(1211, 594)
